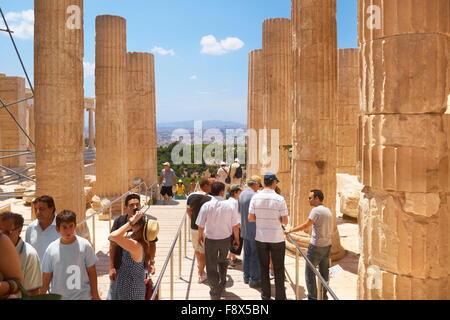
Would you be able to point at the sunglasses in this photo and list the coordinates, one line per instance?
(311, 198)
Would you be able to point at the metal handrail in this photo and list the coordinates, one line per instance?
(312, 267)
(169, 258)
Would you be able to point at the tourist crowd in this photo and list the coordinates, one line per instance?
(225, 219)
(53, 258)
(253, 218)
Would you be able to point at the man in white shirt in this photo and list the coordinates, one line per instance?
(11, 224)
(217, 222)
(41, 232)
(269, 211)
(321, 220)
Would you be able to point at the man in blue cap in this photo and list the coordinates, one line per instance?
(269, 210)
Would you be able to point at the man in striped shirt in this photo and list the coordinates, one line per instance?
(269, 211)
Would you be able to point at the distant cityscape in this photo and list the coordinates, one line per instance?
(165, 130)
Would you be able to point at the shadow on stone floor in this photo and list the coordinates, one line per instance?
(102, 264)
(171, 203)
(349, 262)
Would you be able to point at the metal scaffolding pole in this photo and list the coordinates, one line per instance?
(17, 122)
(17, 51)
(17, 173)
(16, 155)
(17, 102)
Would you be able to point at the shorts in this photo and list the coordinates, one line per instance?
(167, 191)
(194, 239)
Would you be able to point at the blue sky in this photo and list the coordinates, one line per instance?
(190, 85)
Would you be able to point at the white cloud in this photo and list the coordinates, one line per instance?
(210, 45)
(21, 23)
(231, 44)
(193, 77)
(163, 51)
(89, 69)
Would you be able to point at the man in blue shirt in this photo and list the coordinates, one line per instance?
(248, 232)
(41, 232)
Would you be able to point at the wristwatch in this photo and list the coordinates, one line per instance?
(152, 262)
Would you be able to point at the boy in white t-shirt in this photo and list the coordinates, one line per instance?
(69, 263)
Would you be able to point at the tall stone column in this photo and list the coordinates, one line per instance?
(348, 111)
(315, 103)
(12, 89)
(256, 89)
(404, 218)
(59, 94)
(91, 129)
(89, 106)
(141, 116)
(111, 117)
(277, 52)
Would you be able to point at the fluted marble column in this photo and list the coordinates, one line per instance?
(405, 216)
(256, 89)
(141, 116)
(111, 116)
(277, 52)
(314, 131)
(348, 111)
(91, 129)
(59, 103)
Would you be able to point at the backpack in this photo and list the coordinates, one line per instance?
(238, 173)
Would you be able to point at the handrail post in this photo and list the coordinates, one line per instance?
(180, 247)
(93, 232)
(313, 268)
(159, 292)
(110, 217)
(297, 274)
(171, 277)
(185, 236)
(189, 233)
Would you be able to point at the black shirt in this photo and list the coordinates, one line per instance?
(196, 201)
